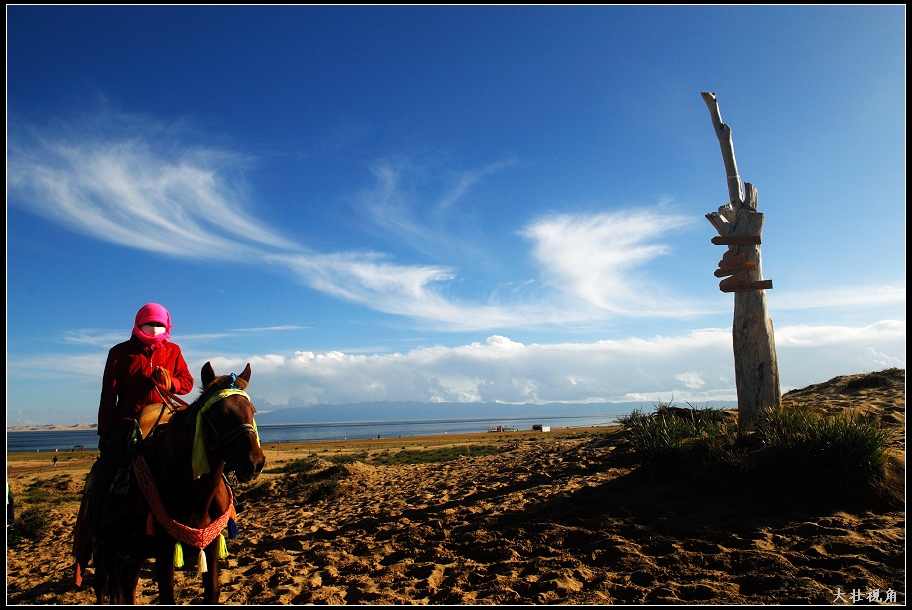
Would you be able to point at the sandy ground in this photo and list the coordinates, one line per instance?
(553, 518)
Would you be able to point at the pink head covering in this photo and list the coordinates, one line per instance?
(152, 312)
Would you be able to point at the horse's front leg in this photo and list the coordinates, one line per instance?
(211, 586)
(164, 572)
(121, 580)
(131, 579)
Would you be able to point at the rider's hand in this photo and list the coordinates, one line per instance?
(162, 377)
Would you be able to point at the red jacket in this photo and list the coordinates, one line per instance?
(127, 386)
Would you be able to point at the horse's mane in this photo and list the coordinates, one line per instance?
(171, 439)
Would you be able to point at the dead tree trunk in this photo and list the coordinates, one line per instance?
(739, 226)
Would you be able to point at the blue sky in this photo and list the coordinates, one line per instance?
(447, 204)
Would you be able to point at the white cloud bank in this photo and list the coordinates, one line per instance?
(696, 367)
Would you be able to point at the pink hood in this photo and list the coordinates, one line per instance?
(152, 312)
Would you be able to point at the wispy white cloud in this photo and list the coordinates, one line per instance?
(133, 184)
(125, 192)
(466, 180)
(106, 338)
(596, 258)
(92, 337)
(423, 206)
(44, 367)
(263, 329)
(132, 192)
(387, 203)
(415, 291)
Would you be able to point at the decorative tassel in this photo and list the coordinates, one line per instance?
(232, 529)
(223, 547)
(201, 567)
(178, 555)
(150, 525)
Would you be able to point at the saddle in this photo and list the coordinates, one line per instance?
(154, 415)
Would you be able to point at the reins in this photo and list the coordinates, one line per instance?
(171, 398)
(170, 402)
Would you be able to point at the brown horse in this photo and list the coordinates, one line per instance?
(183, 495)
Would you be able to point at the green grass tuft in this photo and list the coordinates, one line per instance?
(832, 449)
(432, 456)
(795, 445)
(31, 523)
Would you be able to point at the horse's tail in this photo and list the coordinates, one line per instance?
(82, 539)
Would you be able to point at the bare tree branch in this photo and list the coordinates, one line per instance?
(723, 132)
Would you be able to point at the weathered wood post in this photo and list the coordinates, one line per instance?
(739, 226)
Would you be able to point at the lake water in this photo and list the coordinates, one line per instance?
(67, 440)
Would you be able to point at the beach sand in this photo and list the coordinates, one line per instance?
(565, 517)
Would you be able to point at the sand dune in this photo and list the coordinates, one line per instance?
(565, 519)
(51, 428)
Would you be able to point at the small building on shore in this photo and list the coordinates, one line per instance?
(501, 428)
(541, 428)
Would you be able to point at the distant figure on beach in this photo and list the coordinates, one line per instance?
(55, 461)
(132, 370)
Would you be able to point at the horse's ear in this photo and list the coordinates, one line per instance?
(245, 375)
(208, 374)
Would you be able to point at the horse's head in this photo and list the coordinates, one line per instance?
(227, 422)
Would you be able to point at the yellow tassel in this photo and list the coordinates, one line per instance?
(178, 555)
(223, 547)
(150, 525)
(201, 567)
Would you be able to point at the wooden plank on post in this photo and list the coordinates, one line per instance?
(747, 286)
(737, 278)
(733, 269)
(732, 260)
(736, 240)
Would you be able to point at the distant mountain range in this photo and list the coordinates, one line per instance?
(417, 411)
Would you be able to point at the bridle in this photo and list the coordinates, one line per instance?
(222, 439)
(198, 412)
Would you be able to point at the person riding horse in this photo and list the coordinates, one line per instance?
(132, 370)
(178, 498)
